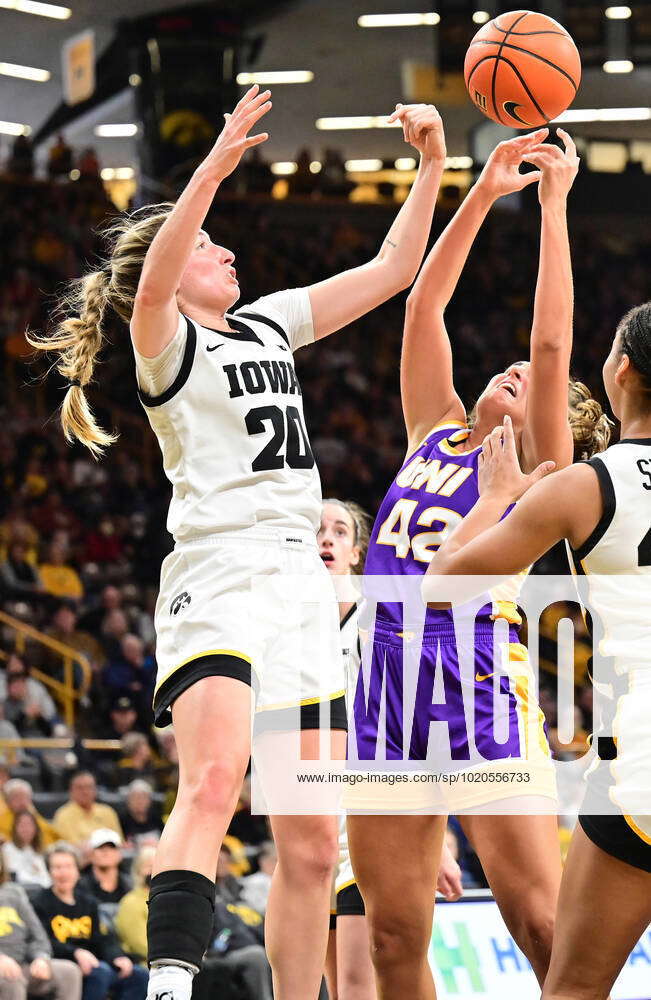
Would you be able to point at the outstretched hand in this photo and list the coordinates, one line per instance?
(501, 175)
(234, 139)
(422, 127)
(557, 167)
(500, 474)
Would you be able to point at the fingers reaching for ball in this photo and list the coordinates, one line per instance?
(558, 168)
(422, 128)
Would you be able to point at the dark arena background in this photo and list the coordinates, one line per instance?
(111, 105)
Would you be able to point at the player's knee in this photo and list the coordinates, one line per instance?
(537, 930)
(212, 788)
(354, 984)
(312, 859)
(396, 938)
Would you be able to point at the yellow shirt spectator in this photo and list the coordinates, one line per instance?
(82, 814)
(131, 918)
(58, 578)
(131, 922)
(18, 798)
(61, 581)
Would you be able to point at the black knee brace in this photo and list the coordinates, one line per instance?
(180, 920)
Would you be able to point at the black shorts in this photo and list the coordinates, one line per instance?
(616, 837)
(350, 902)
(611, 831)
(279, 720)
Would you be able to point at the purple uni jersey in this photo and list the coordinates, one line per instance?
(432, 493)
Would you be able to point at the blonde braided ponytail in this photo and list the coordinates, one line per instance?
(79, 340)
(78, 336)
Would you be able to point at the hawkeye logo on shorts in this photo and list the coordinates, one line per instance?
(180, 601)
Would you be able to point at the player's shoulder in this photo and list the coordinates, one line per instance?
(269, 312)
(276, 305)
(451, 430)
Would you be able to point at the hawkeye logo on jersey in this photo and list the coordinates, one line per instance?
(266, 376)
(180, 602)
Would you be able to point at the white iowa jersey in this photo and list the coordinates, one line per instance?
(231, 425)
(617, 555)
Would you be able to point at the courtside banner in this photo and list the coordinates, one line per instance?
(474, 957)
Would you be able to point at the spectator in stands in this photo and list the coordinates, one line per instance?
(141, 817)
(103, 544)
(303, 181)
(37, 693)
(110, 600)
(136, 760)
(88, 164)
(9, 732)
(83, 814)
(132, 671)
(19, 579)
(123, 718)
(333, 179)
(237, 940)
(104, 881)
(257, 175)
(25, 714)
(71, 918)
(23, 854)
(18, 799)
(59, 158)
(21, 161)
(246, 827)
(114, 628)
(255, 888)
(26, 963)
(57, 576)
(131, 919)
(5, 775)
(64, 629)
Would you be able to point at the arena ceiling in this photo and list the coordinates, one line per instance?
(357, 71)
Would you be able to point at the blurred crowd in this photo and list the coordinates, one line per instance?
(81, 544)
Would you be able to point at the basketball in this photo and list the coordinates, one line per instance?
(522, 69)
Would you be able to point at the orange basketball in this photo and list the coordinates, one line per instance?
(522, 69)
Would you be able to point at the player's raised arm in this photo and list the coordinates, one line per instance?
(428, 394)
(488, 544)
(547, 433)
(155, 312)
(345, 297)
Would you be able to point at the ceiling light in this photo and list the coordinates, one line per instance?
(362, 166)
(276, 76)
(135, 80)
(283, 168)
(74, 174)
(115, 131)
(24, 72)
(42, 9)
(481, 16)
(405, 163)
(397, 20)
(13, 128)
(117, 173)
(458, 162)
(618, 13)
(618, 66)
(358, 121)
(606, 115)
(315, 167)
